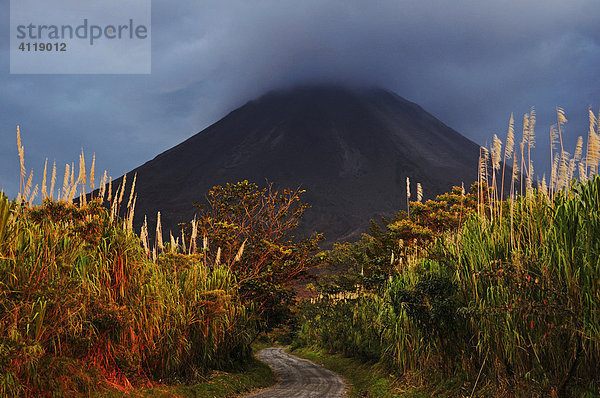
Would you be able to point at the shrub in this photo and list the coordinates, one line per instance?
(81, 303)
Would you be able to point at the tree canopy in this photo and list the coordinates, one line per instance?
(252, 229)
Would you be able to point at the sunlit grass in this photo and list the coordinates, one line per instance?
(505, 290)
(84, 303)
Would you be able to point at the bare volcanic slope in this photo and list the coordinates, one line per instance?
(350, 149)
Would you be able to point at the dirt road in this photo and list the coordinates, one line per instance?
(299, 378)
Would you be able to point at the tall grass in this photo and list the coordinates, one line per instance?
(83, 304)
(509, 295)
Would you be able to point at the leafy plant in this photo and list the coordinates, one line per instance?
(251, 229)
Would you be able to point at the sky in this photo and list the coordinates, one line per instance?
(469, 63)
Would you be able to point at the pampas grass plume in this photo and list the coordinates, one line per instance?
(496, 152)
(93, 171)
(510, 138)
(578, 149)
(240, 252)
(159, 240)
(44, 191)
(122, 188)
(132, 190)
(53, 179)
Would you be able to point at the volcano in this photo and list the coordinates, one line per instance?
(350, 149)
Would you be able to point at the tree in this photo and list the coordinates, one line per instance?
(391, 243)
(251, 229)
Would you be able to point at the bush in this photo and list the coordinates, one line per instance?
(81, 304)
(514, 297)
(251, 229)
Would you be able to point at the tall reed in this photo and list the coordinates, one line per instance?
(510, 296)
(84, 306)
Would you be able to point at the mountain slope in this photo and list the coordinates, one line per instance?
(350, 149)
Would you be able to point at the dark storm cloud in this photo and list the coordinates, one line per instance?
(470, 63)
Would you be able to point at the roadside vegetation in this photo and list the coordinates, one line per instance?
(504, 293)
(86, 304)
(363, 378)
(250, 376)
(494, 291)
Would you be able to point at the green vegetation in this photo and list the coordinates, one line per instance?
(518, 304)
(86, 304)
(254, 375)
(504, 292)
(365, 379)
(373, 380)
(262, 223)
(467, 294)
(499, 300)
(81, 300)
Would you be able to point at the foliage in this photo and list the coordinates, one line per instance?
(392, 244)
(253, 375)
(351, 326)
(81, 304)
(364, 379)
(430, 305)
(510, 299)
(261, 221)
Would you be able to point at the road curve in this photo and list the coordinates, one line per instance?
(299, 378)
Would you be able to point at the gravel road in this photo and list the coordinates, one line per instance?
(299, 378)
